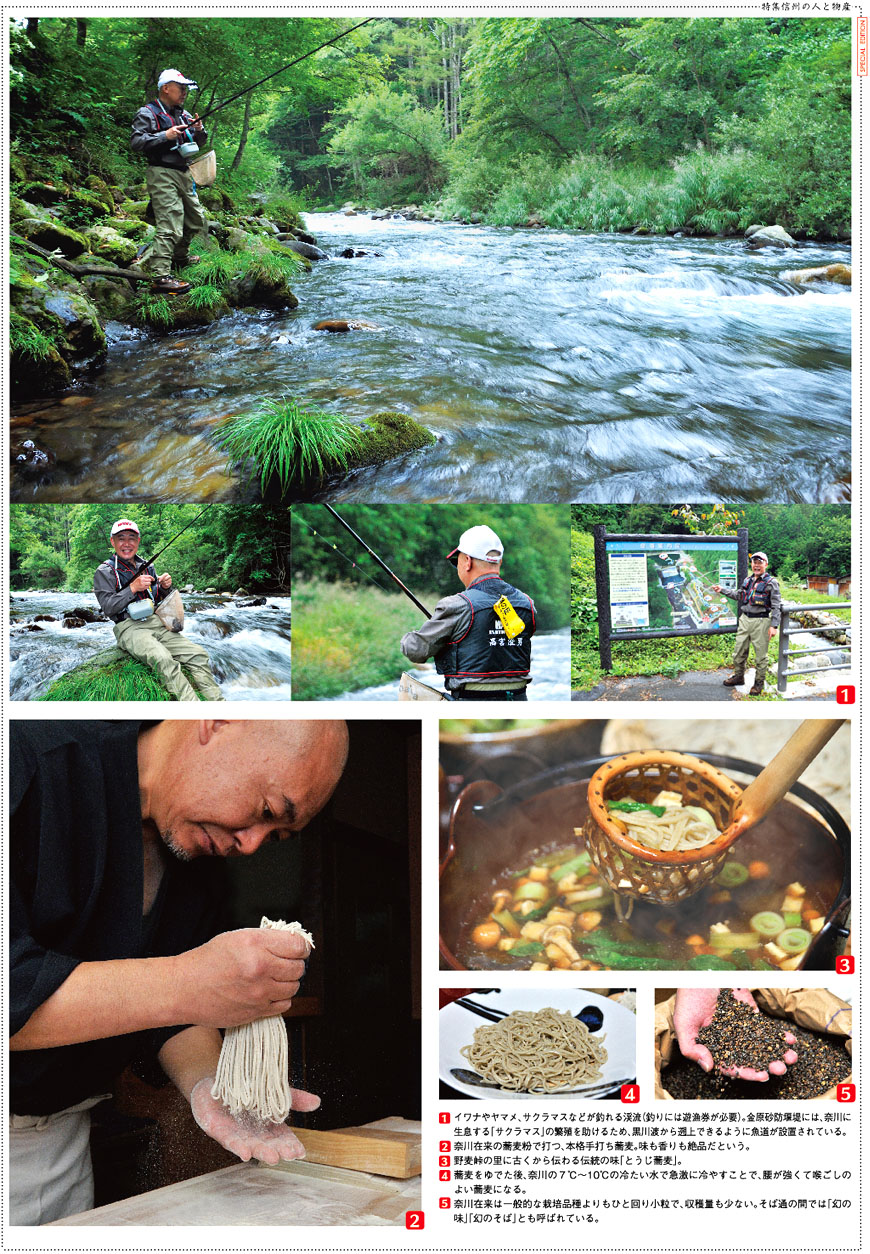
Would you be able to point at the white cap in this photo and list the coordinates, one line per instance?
(759, 554)
(480, 542)
(124, 524)
(174, 76)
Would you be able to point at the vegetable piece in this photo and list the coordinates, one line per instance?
(732, 875)
(792, 918)
(578, 864)
(526, 949)
(794, 940)
(539, 873)
(533, 931)
(767, 923)
(758, 870)
(486, 935)
(704, 816)
(506, 920)
(589, 920)
(734, 940)
(695, 940)
(531, 891)
(631, 807)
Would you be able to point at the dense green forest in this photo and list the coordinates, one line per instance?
(660, 123)
(60, 546)
(413, 540)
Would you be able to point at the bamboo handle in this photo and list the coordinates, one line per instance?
(788, 765)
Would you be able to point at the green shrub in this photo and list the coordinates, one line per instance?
(124, 679)
(286, 443)
(150, 309)
(206, 296)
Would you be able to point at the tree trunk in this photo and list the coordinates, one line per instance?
(81, 31)
(32, 27)
(246, 126)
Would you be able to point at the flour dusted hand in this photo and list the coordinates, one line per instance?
(244, 1135)
(253, 1072)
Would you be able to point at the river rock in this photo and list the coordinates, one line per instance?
(770, 236)
(44, 618)
(265, 292)
(52, 235)
(388, 434)
(78, 684)
(358, 252)
(86, 615)
(72, 620)
(241, 592)
(30, 376)
(309, 251)
(302, 236)
(30, 627)
(337, 325)
(247, 603)
(85, 340)
(820, 274)
(110, 245)
(31, 461)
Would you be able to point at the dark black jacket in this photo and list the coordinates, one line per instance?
(75, 895)
(146, 135)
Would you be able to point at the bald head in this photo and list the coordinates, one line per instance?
(219, 786)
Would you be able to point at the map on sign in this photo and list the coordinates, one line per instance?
(667, 584)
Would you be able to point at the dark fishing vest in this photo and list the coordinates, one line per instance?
(121, 570)
(485, 651)
(757, 602)
(165, 121)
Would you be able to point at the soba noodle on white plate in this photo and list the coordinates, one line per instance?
(535, 1051)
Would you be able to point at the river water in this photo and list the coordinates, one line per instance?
(551, 365)
(249, 648)
(551, 671)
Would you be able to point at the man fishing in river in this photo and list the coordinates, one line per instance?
(169, 138)
(124, 581)
(481, 639)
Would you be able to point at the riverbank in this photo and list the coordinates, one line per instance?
(346, 636)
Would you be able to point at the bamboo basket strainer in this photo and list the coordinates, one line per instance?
(633, 870)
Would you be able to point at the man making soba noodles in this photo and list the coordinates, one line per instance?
(117, 951)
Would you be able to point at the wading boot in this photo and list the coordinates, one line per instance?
(167, 286)
(733, 680)
(757, 687)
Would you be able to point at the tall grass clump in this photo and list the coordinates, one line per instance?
(152, 310)
(124, 679)
(285, 443)
(206, 297)
(215, 268)
(266, 265)
(26, 339)
(346, 637)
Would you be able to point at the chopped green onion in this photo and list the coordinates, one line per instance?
(732, 874)
(794, 940)
(768, 923)
(631, 807)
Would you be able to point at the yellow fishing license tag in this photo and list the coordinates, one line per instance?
(510, 619)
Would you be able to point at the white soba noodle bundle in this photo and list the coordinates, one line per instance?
(253, 1073)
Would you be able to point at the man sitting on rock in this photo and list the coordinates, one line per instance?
(146, 638)
(158, 130)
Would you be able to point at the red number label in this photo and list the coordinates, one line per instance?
(845, 694)
(444, 1160)
(444, 1116)
(629, 1094)
(845, 964)
(846, 1093)
(443, 1175)
(444, 1203)
(443, 1147)
(415, 1219)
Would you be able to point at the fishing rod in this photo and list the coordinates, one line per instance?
(289, 66)
(408, 593)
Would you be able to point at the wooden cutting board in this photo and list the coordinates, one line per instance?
(388, 1147)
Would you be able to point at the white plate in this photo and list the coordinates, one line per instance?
(456, 1028)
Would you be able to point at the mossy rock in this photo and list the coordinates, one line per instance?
(133, 208)
(112, 298)
(386, 435)
(101, 190)
(19, 209)
(111, 675)
(18, 172)
(185, 316)
(215, 200)
(110, 245)
(130, 228)
(45, 194)
(262, 292)
(51, 235)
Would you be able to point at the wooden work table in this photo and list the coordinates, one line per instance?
(291, 1194)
